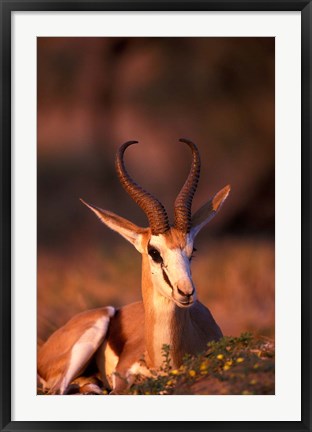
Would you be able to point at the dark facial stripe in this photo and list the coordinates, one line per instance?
(166, 279)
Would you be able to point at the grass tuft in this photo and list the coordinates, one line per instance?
(241, 365)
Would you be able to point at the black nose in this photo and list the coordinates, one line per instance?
(184, 294)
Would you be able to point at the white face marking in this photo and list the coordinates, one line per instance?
(171, 272)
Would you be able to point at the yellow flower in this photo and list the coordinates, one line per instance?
(169, 383)
(240, 360)
(192, 373)
(220, 356)
(226, 367)
(174, 372)
(203, 366)
(229, 362)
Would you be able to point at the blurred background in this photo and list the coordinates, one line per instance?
(96, 93)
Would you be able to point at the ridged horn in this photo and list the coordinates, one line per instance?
(154, 210)
(183, 202)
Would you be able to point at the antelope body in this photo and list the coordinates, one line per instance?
(129, 341)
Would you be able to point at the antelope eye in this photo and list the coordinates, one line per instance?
(154, 253)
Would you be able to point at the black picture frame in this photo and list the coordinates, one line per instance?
(6, 8)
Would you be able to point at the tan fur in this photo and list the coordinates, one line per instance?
(169, 313)
(185, 330)
(175, 239)
(189, 329)
(125, 341)
(54, 355)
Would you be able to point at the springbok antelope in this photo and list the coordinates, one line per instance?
(128, 341)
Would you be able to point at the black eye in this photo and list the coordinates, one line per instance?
(154, 253)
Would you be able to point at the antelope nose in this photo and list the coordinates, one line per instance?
(185, 289)
(182, 293)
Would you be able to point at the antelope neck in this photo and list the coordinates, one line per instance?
(165, 322)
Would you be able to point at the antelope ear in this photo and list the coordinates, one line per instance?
(125, 228)
(208, 210)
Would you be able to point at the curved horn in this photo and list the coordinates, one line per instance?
(153, 209)
(183, 202)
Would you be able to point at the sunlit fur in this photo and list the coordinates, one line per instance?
(134, 339)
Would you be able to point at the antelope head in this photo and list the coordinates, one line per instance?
(167, 249)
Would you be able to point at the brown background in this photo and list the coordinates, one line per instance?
(96, 93)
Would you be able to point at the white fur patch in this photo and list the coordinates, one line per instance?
(136, 369)
(111, 311)
(83, 350)
(176, 264)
